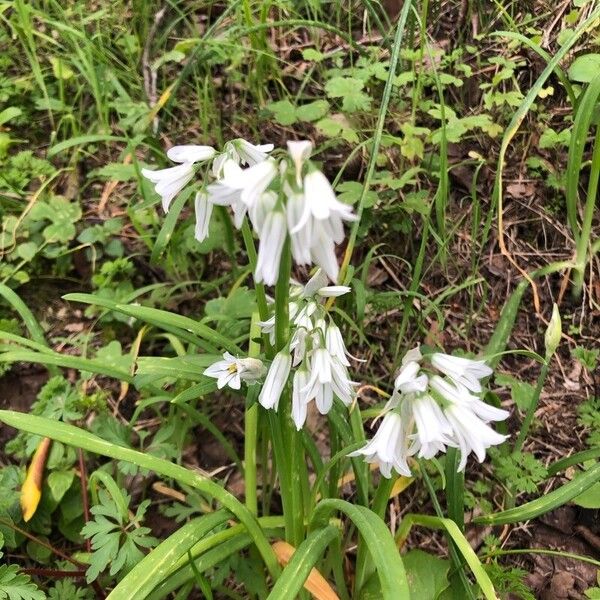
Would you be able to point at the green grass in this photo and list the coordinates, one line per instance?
(426, 133)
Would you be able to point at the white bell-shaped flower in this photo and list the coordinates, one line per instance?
(232, 371)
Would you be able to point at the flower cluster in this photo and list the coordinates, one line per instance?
(316, 352)
(290, 196)
(433, 409)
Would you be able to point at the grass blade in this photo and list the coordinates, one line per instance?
(546, 503)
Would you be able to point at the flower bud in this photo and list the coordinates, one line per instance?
(553, 333)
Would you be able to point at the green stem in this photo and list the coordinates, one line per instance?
(387, 92)
(531, 408)
(452, 550)
(455, 489)
(251, 427)
(261, 296)
(588, 217)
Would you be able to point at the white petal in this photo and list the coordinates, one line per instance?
(203, 214)
(191, 154)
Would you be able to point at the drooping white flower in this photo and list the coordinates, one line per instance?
(170, 181)
(389, 447)
(203, 213)
(322, 249)
(462, 370)
(272, 238)
(232, 371)
(276, 379)
(240, 152)
(300, 399)
(409, 380)
(334, 342)
(300, 151)
(251, 154)
(471, 433)
(315, 216)
(433, 432)
(333, 291)
(469, 417)
(328, 377)
(253, 181)
(456, 393)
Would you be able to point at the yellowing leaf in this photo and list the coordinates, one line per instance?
(316, 584)
(31, 492)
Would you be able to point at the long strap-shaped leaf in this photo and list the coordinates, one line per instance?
(546, 503)
(163, 318)
(66, 361)
(206, 561)
(123, 309)
(302, 563)
(458, 538)
(74, 436)
(379, 540)
(157, 565)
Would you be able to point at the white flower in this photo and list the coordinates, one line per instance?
(314, 284)
(468, 417)
(203, 213)
(169, 182)
(389, 447)
(322, 249)
(251, 154)
(272, 238)
(328, 376)
(239, 152)
(434, 432)
(409, 380)
(276, 379)
(471, 433)
(301, 240)
(334, 342)
(299, 151)
(333, 291)
(299, 398)
(232, 371)
(455, 393)
(413, 355)
(462, 370)
(252, 181)
(315, 218)
(320, 201)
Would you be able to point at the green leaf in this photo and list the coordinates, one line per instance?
(312, 111)
(312, 54)
(350, 90)
(521, 391)
(17, 586)
(351, 191)
(27, 250)
(302, 562)
(9, 113)
(427, 574)
(283, 111)
(584, 68)
(590, 498)
(378, 539)
(158, 565)
(59, 483)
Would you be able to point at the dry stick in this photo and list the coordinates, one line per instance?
(86, 513)
(84, 494)
(53, 573)
(42, 543)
